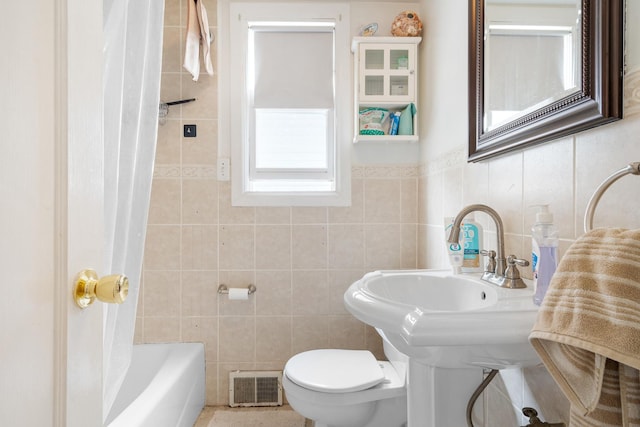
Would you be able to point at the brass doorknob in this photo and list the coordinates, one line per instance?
(87, 287)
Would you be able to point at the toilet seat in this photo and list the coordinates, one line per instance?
(335, 371)
(391, 387)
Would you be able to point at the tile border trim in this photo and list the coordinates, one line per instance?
(172, 171)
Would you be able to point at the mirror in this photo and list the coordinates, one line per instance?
(540, 70)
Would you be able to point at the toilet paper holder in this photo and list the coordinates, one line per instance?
(224, 289)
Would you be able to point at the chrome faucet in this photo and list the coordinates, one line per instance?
(497, 266)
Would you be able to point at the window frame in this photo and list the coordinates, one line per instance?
(234, 100)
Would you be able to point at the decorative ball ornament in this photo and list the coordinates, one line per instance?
(407, 24)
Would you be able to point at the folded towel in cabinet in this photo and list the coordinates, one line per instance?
(405, 127)
(587, 331)
(198, 35)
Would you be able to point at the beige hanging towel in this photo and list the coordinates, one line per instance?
(198, 36)
(587, 331)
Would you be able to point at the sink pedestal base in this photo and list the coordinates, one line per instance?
(438, 397)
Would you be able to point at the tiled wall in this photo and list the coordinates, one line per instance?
(564, 173)
(300, 259)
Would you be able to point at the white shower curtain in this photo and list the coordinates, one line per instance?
(131, 92)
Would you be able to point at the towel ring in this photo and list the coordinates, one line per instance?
(631, 168)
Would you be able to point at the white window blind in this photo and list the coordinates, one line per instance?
(293, 65)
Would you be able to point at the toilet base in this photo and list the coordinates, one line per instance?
(387, 413)
(390, 413)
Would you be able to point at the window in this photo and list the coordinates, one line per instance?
(289, 104)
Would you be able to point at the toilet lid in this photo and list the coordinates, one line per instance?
(334, 371)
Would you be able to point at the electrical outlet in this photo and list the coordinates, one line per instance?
(189, 131)
(224, 169)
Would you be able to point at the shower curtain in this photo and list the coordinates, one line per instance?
(131, 96)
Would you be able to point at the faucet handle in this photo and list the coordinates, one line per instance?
(489, 253)
(512, 261)
(512, 274)
(491, 263)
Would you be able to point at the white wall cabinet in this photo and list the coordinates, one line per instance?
(385, 83)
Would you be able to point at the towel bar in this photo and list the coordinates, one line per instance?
(164, 108)
(631, 168)
(181, 101)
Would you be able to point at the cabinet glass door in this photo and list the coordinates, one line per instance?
(399, 60)
(374, 64)
(374, 59)
(386, 72)
(374, 86)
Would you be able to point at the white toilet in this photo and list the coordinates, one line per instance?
(348, 388)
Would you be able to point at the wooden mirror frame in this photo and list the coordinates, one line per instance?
(598, 100)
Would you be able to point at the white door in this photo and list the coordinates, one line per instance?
(82, 47)
(51, 195)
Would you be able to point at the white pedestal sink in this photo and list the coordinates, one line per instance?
(451, 327)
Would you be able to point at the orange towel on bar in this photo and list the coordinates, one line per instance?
(587, 331)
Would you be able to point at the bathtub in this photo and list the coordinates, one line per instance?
(164, 387)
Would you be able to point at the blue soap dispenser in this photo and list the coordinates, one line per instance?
(544, 252)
